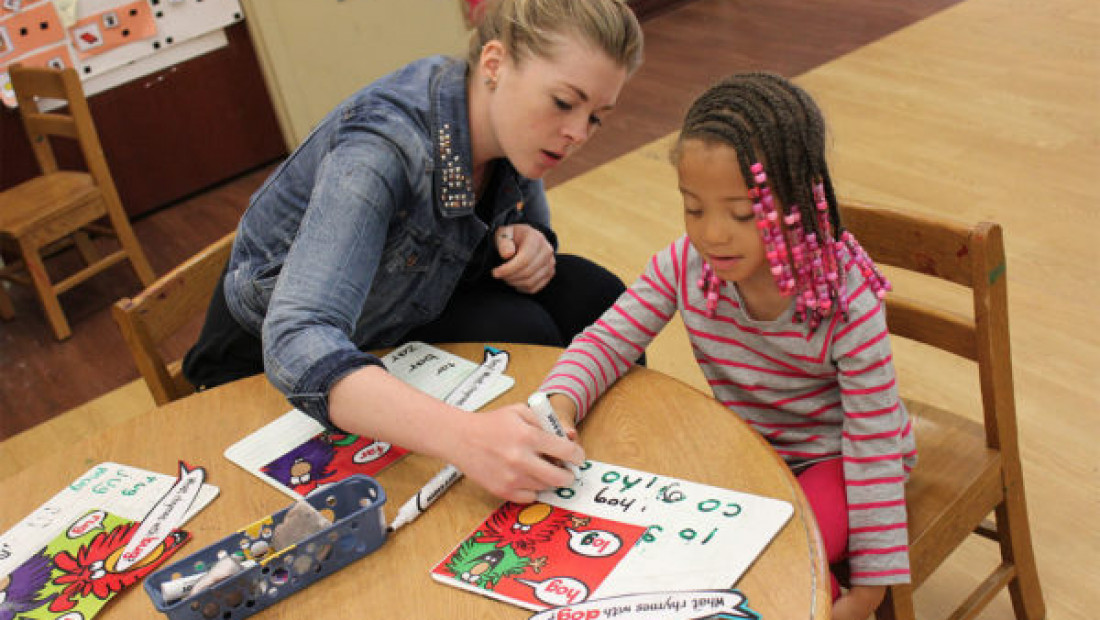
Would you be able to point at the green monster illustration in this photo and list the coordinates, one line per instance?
(484, 564)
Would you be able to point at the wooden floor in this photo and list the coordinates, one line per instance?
(686, 50)
(986, 109)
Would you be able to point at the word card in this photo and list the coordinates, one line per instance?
(296, 455)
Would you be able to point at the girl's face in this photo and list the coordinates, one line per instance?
(543, 109)
(718, 214)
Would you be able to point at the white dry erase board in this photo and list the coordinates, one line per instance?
(615, 531)
(296, 455)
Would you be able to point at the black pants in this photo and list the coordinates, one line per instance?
(485, 310)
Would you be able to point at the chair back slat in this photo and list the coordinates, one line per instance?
(939, 328)
(166, 308)
(912, 242)
(39, 82)
(162, 309)
(73, 121)
(44, 124)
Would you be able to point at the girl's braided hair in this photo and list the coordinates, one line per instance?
(775, 126)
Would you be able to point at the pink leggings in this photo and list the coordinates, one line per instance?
(823, 485)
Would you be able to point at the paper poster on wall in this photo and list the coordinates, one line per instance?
(112, 41)
(176, 22)
(28, 30)
(121, 25)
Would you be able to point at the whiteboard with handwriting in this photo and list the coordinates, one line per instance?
(615, 531)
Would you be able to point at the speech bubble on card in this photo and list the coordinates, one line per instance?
(558, 591)
(166, 515)
(594, 543)
(88, 523)
(372, 452)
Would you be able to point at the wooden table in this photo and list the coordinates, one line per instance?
(648, 421)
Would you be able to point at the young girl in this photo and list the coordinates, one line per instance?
(415, 211)
(783, 310)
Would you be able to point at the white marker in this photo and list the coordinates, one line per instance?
(427, 495)
(549, 422)
(183, 587)
(494, 363)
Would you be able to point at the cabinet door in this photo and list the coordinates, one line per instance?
(172, 133)
(316, 53)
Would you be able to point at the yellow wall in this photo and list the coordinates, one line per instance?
(316, 53)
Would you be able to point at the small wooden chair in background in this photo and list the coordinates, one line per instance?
(59, 207)
(965, 470)
(162, 309)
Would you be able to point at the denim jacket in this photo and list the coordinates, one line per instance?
(364, 231)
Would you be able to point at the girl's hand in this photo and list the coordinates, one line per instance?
(529, 258)
(506, 452)
(566, 412)
(858, 603)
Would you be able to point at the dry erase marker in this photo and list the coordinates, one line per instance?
(418, 503)
(549, 421)
(496, 360)
(177, 589)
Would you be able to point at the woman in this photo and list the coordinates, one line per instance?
(415, 210)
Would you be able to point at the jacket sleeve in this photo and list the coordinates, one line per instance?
(536, 210)
(329, 271)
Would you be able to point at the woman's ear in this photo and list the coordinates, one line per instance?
(493, 54)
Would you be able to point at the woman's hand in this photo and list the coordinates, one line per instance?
(507, 452)
(529, 258)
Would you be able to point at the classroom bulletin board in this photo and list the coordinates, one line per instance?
(109, 42)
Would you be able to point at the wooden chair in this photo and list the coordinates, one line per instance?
(59, 207)
(162, 309)
(965, 470)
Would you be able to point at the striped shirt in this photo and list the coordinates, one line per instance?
(827, 394)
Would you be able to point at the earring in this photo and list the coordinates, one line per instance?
(491, 82)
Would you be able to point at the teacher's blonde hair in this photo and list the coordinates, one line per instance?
(531, 28)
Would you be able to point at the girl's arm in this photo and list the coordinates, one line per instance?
(859, 603)
(607, 349)
(876, 444)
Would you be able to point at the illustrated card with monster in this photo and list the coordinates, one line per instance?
(296, 454)
(82, 569)
(104, 532)
(615, 531)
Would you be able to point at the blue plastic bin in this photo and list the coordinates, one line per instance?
(358, 528)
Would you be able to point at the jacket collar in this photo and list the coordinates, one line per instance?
(453, 177)
(450, 127)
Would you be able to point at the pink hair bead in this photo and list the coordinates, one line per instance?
(710, 283)
(767, 221)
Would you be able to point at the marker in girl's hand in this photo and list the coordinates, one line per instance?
(549, 422)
